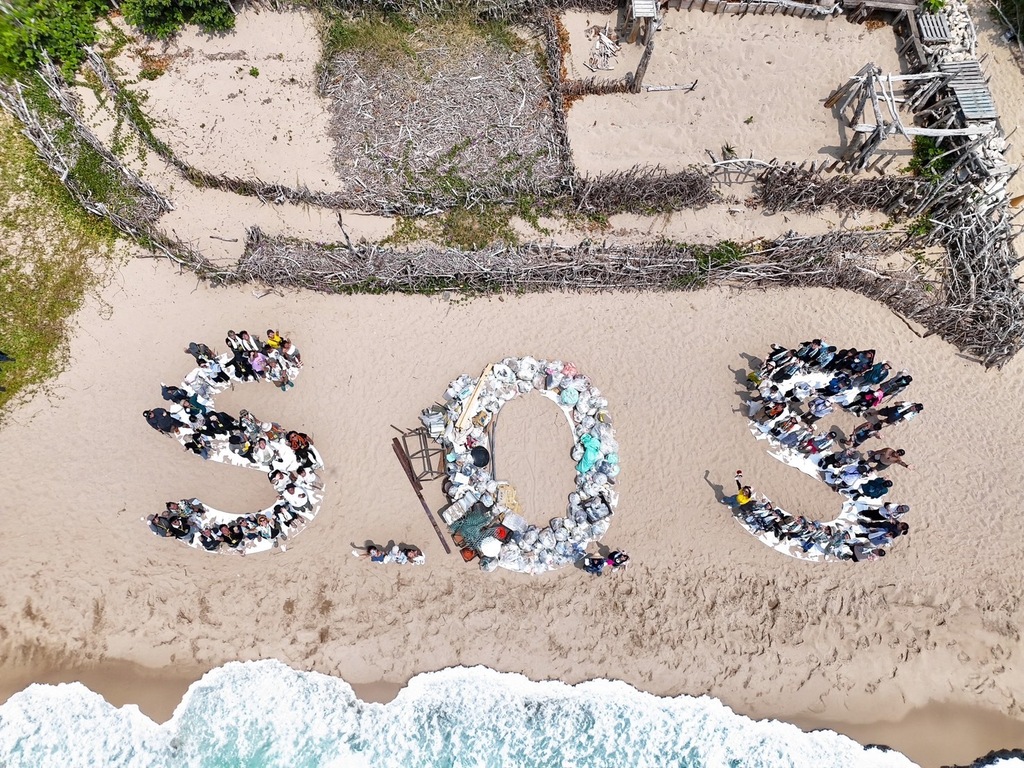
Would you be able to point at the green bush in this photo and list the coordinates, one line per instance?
(927, 161)
(59, 27)
(163, 18)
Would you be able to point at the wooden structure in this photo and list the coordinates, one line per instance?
(641, 19)
(417, 486)
(970, 89)
(859, 11)
(869, 86)
(425, 456)
(933, 28)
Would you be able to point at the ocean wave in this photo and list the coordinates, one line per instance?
(263, 713)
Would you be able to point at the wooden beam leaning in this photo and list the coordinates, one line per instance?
(403, 459)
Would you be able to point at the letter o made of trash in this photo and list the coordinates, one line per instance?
(479, 515)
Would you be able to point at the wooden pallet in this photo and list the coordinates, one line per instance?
(934, 28)
(970, 89)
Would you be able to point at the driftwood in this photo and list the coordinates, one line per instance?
(977, 306)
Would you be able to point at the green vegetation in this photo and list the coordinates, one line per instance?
(720, 255)
(387, 36)
(163, 18)
(62, 28)
(928, 161)
(254, 72)
(920, 226)
(464, 228)
(59, 27)
(48, 250)
(934, 6)
(392, 36)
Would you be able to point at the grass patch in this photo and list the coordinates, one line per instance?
(460, 228)
(48, 243)
(392, 36)
(387, 36)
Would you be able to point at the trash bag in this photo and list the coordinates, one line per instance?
(591, 453)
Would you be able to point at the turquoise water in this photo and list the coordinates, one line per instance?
(267, 714)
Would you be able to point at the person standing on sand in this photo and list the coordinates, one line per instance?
(899, 412)
(864, 432)
(886, 457)
(744, 498)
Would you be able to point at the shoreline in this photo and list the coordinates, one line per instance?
(939, 733)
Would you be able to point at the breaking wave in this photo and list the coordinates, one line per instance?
(264, 713)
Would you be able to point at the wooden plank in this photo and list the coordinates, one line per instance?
(403, 459)
(971, 130)
(468, 407)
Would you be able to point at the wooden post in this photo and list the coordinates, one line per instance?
(641, 68)
(403, 459)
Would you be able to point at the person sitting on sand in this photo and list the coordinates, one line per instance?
(274, 339)
(249, 343)
(199, 445)
(817, 408)
(263, 453)
(233, 341)
(414, 556)
(291, 352)
(809, 350)
(866, 400)
(285, 516)
(160, 420)
(873, 489)
(199, 351)
(824, 358)
(841, 360)
(210, 540)
(179, 528)
(862, 361)
(838, 383)
(373, 553)
(876, 374)
(817, 444)
(296, 498)
(232, 535)
(258, 362)
(897, 384)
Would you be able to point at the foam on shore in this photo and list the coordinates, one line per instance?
(264, 713)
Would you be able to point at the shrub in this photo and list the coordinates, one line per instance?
(59, 27)
(163, 18)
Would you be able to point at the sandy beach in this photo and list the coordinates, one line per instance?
(919, 651)
(705, 609)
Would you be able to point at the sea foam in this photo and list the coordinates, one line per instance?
(264, 713)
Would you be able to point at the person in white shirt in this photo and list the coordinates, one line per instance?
(295, 497)
(263, 453)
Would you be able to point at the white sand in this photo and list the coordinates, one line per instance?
(705, 609)
(221, 119)
(777, 70)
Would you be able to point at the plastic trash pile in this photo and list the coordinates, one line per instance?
(461, 425)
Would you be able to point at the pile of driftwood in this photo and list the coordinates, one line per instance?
(458, 126)
(981, 318)
(844, 260)
(789, 187)
(978, 307)
(643, 189)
